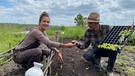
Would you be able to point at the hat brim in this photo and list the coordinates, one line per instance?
(92, 21)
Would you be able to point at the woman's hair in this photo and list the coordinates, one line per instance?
(44, 14)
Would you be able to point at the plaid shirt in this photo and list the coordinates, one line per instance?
(94, 38)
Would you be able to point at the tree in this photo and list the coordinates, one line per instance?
(79, 20)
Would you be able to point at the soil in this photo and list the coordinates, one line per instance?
(73, 65)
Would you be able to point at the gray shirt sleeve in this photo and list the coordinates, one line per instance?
(34, 35)
(42, 37)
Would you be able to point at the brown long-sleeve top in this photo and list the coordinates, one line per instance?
(33, 40)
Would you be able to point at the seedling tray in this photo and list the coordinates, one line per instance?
(113, 36)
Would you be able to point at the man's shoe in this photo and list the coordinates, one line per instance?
(97, 63)
(110, 74)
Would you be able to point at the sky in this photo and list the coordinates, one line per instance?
(63, 12)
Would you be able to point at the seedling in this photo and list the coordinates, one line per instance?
(73, 41)
(87, 68)
(61, 66)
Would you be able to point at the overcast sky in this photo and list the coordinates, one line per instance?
(63, 12)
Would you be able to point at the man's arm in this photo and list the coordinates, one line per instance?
(86, 41)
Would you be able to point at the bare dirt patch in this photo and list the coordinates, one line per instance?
(73, 65)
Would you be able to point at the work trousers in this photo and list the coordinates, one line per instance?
(97, 53)
(27, 57)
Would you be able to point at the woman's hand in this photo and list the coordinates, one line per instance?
(60, 56)
(69, 45)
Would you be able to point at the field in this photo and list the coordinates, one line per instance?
(74, 64)
(12, 34)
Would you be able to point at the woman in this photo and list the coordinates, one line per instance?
(28, 52)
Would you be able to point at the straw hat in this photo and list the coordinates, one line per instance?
(93, 17)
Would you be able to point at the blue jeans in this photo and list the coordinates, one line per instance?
(96, 53)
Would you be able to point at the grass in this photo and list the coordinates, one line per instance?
(124, 57)
(10, 36)
(130, 71)
(130, 49)
(124, 62)
(74, 32)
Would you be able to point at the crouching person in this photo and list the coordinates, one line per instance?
(28, 50)
(94, 35)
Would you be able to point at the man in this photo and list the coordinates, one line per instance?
(94, 35)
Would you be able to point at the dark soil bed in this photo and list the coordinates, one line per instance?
(73, 65)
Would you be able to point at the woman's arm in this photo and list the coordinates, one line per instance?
(43, 38)
(58, 53)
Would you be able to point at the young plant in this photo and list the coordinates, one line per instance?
(113, 47)
(125, 32)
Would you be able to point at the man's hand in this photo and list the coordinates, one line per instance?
(75, 42)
